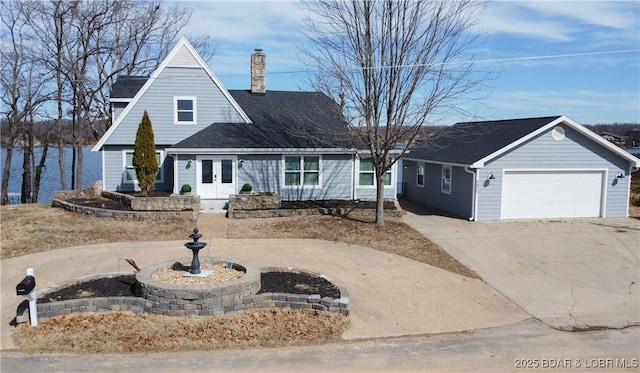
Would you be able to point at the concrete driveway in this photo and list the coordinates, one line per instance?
(571, 274)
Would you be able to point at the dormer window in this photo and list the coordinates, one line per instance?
(184, 109)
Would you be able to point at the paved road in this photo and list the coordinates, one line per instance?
(571, 274)
(500, 349)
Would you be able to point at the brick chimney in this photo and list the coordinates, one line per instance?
(258, 72)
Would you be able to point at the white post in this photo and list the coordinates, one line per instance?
(32, 298)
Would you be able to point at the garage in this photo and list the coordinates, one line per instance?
(528, 168)
(552, 194)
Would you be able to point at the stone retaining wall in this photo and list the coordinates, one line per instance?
(197, 299)
(301, 302)
(124, 214)
(175, 202)
(92, 191)
(53, 309)
(268, 205)
(255, 201)
(276, 213)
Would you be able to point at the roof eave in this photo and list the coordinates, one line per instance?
(569, 122)
(183, 42)
(438, 162)
(259, 150)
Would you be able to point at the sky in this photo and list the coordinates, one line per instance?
(579, 59)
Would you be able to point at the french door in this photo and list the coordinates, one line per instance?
(216, 177)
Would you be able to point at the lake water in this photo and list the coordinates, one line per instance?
(50, 182)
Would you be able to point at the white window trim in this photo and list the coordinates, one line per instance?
(424, 169)
(135, 182)
(175, 110)
(374, 176)
(449, 180)
(301, 185)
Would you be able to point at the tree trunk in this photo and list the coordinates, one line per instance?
(59, 34)
(74, 119)
(380, 199)
(63, 176)
(6, 173)
(38, 174)
(79, 167)
(25, 190)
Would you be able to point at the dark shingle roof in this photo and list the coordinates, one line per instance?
(468, 142)
(280, 120)
(126, 86)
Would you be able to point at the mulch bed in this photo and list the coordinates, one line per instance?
(335, 203)
(105, 203)
(99, 203)
(126, 286)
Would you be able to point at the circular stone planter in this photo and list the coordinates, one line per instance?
(204, 299)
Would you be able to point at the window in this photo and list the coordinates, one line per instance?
(301, 170)
(446, 179)
(367, 173)
(227, 171)
(420, 179)
(130, 170)
(184, 110)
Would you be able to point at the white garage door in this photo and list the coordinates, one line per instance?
(551, 194)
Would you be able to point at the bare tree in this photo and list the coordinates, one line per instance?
(391, 65)
(88, 44)
(24, 92)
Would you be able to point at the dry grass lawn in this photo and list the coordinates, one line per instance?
(113, 332)
(31, 228)
(395, 237)
(95, 333)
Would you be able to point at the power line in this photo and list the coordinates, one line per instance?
(494, 60)
(508, 59)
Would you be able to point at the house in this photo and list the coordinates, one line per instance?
(549, 167)
(293, 143)
(614, 139)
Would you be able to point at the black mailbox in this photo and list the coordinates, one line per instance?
(26, 285)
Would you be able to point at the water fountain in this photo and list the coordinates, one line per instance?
(195, 247)
(199, 294)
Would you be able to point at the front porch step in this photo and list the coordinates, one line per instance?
(214, 206)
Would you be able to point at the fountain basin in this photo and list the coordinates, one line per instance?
(202, 299)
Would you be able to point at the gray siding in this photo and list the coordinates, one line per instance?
(459, 202)
(186, 171)
(261, 171)
(575, 151)
(114, 170)
(369, 192)
(211, 107)
(264, 173)
(118, 108)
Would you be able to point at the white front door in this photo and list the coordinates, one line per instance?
(216, 177)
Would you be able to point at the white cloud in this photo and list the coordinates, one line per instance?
(511, 18)
(612, 14)
(244, 21)
(563, 20)
(238, 27)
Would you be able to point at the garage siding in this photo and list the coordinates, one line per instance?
(459, 202)
(574, 151)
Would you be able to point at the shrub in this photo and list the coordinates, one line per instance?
(186, 188)
(634, 199)
(247, 188)
(144, 155)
